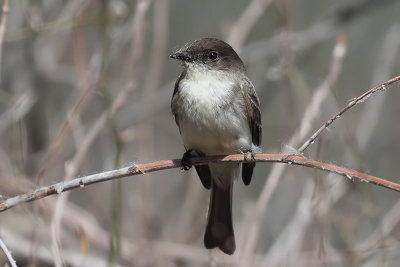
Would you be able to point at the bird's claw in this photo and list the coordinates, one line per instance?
(252, 154)
(185, 161)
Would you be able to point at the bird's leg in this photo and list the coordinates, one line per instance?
(252, 154)
(185, 161)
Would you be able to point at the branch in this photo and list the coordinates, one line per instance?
(8, 254)
(353, 102)
(60, 187)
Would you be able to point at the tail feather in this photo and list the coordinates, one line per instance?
(219, 232)
(247, 172)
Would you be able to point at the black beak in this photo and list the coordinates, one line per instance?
(181, 56)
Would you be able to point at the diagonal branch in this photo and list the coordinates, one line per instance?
(60, 187)
(353, 102)
(8, 254)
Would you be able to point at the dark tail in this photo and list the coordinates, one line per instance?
(219, 231)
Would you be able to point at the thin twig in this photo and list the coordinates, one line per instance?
(8, 254)
(60, 187)
(321, 93)
(386, 61)
(353, 102)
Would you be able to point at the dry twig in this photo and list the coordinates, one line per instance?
(353, 102)
(60, 187)
(8, 254)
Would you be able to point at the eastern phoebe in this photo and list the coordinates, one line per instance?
(218, 112)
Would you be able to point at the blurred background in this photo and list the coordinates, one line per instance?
(85, 87)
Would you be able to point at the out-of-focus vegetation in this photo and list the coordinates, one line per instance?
(86, 85)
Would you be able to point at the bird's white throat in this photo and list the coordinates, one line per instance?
(208, 88)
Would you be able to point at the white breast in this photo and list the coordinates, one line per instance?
(212, 115)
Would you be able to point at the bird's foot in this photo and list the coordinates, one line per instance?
(185, 161)
(246, 155)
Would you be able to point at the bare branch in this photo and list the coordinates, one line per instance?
(353, 102)
(60, 187)
(8, 254)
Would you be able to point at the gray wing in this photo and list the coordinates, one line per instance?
(252, 105)
(174, 103)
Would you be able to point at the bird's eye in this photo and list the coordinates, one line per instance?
(213, 55)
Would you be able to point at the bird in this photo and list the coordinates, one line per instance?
(217, 111)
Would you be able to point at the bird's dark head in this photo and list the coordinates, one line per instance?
(209, 54)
